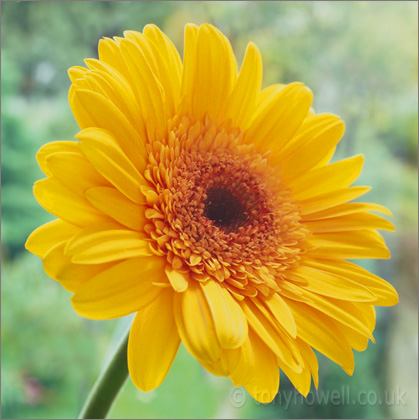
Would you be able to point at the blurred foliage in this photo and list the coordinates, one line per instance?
(360, 60)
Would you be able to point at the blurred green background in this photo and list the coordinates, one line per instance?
(360, 60)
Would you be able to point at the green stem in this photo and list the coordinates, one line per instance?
(108, 384)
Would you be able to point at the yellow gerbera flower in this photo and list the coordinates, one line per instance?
(209, 207)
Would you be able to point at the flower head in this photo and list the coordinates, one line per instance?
(209, 207)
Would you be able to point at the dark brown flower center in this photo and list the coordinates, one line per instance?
(224, 208)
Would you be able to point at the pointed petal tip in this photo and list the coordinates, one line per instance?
(28, 244)
(349, 370)
(359, 158)
(151, 355)
(261, 396)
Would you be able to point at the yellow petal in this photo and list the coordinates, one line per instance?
(319, 332)
(242, 102)
(93, 110)
(330, 200)
(42, 239)
(215, 75)
(178, 280)
(108, 83)
(153, 342)
(122, 289)
(148, 89)
(278, 118)
(282, 313)
(326, 284)
(310, 359)
(385, 293)
(355, 339)
(113, 203)
(74, 171)
(284, 332)
(76, 72)
(195, 324)
(293, 292)
(65, 204)
(54, 147)
(110, 53)
(310, 146)
(146, 47)
(169, 64)
(71, 276)
(264, 385)
(339, 310)
(105, 242)
(326, 159)
(311, 126)
(301, 380)
(246, 367)
(226, 364)
(348, 209)
(326, 179)
(270, 336)
(101, 149)
(352, 221)
(189, 68)
(365, 313)
(362, 243)
(268, 94)
(229, 320)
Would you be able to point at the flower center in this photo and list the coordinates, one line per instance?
(217, 210)
(224, 208)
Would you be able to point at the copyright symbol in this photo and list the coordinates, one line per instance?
(238, 397)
